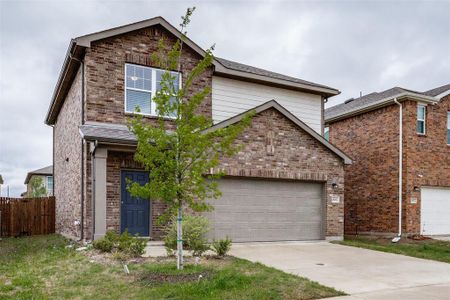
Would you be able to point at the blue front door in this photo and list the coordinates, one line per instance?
(134, 212)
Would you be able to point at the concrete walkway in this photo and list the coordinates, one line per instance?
(362, 273)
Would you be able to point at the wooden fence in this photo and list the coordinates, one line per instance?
(27, 216)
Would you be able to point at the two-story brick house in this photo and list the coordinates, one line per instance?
(369, 130)
(287, 182)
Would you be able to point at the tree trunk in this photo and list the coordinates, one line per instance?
(179, 239)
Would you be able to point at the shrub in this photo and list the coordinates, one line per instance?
(124, 243)
(103, 245)
(221, 247)
(194, 235)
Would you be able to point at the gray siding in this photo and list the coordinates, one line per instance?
(231, 97)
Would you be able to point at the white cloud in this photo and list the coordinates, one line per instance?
(354, 46)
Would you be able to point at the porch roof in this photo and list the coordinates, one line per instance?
(107, 133)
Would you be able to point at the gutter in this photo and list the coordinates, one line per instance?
(382, 103)
(400, 171)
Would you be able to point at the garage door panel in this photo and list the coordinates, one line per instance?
(435, 210)
(263, 210)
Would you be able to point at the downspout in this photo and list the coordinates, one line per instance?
(53, 159)
(400, 171)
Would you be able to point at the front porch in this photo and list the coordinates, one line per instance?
(114, 208)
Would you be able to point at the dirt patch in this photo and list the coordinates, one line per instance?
(150, 279)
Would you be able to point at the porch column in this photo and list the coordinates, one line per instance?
(100, 191)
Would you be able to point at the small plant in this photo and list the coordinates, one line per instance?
(221, 247)
(124, 244)
(194, 235)
(103, 245)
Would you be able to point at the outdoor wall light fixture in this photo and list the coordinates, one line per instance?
(67, 159)
(334, 184)
(416, 189)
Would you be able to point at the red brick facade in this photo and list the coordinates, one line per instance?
(292, 154)
(105, 68)
(67, 163)
(104, 71)
(427, 158)
(274, 146)
(371, 182)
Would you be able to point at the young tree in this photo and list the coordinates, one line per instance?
(37, 187)
(178, 154)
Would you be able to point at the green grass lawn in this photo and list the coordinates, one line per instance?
(42, 267)
(428, 248)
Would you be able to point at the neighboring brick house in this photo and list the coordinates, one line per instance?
(46, 174)
(368, 130)
(286, 183)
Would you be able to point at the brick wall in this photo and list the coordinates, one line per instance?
(67, 162)
(274, 147)
(104, 73)
(105, 68)
(294, 154)
(427, 161)
(371, 182)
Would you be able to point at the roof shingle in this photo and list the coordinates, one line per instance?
(374, 99)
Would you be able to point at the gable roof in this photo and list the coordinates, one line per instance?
(372, 101)
(46, 171)
(235, 66)
(437, 92)
(275, 105)
(222, 67)
(120, 134)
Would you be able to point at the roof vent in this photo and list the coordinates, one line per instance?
(349, 100)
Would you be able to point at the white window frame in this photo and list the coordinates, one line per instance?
(153, 112)
(326, 130)
(46, 185)
(422, 120)
(448, 126)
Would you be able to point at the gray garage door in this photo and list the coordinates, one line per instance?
(263, 210)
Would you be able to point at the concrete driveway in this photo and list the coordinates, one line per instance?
(362, 273)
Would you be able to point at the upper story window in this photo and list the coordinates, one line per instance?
(50, 185)
(141, 85)
(448, 127)
(421, 115)
(326, 133)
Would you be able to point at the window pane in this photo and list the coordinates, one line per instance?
(139, 84)
(158, 79)
(50, 182)
(420, 126)
(420, 112)
(130, 70)
(326, 133)
(147, 73)
(139, 72)
(139, 77)
(159, 74)
(138, 99)
(448, 127)
(147, 84)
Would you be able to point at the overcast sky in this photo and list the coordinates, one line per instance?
(353, 46)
